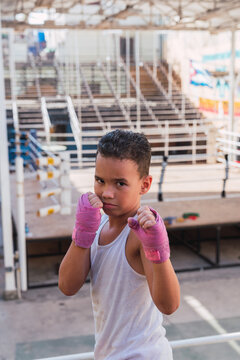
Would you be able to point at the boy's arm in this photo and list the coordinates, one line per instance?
(163, 284)
(76, 263)
(155, 252)
(74, 269)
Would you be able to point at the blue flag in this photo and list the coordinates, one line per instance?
(199, 76)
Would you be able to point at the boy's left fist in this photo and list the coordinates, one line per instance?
(150, 229)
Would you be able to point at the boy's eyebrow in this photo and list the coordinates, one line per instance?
(98, 177)
(121, 179)
(115, 179)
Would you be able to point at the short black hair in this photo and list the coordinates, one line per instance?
(124, 144)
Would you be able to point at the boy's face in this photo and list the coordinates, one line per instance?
(119, 186)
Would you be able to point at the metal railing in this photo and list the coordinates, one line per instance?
(75, 126)
(120, 104)
(181, 116)
(60, 76)
(46, 118)
(177, 344)
(36, 74)
(15, 116)
(171, 140)
(142, 98)
(89, 92)
(228, 143)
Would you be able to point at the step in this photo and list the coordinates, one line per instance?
(31, 126)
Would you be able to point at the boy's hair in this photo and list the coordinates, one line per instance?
(123, 144)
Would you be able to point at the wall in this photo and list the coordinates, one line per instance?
(98, 45)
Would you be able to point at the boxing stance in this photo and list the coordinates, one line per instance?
(127, 253)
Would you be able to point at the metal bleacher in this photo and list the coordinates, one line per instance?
(75, 105)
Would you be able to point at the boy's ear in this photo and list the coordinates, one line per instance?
(146, 184)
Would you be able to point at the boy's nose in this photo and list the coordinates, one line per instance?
(108, 193)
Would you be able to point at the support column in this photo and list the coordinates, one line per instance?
(154, 54)
(21, 222)
(77, 73)
(232, 83)
(128, 70)
(137, 81)
(109, 54)
(78, 88)
(8, 251)
(12, 66)
(66, 60)
(231, 123)
(170, 80)
(117, 46)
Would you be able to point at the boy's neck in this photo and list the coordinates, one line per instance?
(120, 221)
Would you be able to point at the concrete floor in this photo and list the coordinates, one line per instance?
(46, 323)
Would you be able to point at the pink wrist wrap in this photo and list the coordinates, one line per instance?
(87, 223)
(154, 239)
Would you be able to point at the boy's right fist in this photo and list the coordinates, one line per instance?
(87, 221)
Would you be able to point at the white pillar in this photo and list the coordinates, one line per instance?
(21, 222)
(109, 54)
(170, 80)
(128, 66)
(12, 65)
(231, 83)
(117, 46)
(64, 180)
(66, 60)
(128, 84)
(155, 54)
(8, 251)
(62, 69)
(137, 81)
(78, 78)
(231, 126)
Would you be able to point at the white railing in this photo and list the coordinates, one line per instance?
(57, 174)
(181, 115)
(52, 167)
(35, 70)
(228, 143)
(89, 92)
(161, 89)
(142, 98)
(169, 133)
(168, 76)
(172, 83)
(177, 344)
(120, 104)
(46, 118)
(15, 116)
(75, 126)
(205, 340)
(62, 144)
(60, 77)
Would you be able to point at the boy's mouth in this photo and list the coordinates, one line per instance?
(108, 205)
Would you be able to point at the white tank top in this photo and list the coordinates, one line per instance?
(128, 326)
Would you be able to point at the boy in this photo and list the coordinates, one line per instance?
(127, 253)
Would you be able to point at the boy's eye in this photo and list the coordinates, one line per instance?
(121, 183)
(100, 181)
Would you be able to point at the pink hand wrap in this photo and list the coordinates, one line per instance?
(154, 239)
(87, 223)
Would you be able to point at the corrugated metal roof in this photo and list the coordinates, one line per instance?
(213, 15)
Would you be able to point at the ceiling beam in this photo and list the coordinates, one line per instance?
(190, 18)
(148, 27)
